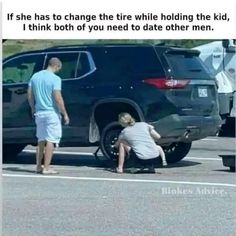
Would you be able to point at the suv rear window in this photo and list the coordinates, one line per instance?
(130, 62)
(186, 64)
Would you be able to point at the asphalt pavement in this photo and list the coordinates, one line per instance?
(193, 197)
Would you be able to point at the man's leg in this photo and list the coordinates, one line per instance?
(39, 156)
(123, 150)
(53, 132)
(48, 155)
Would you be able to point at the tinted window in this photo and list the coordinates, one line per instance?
(187, 66)
(20, 69)
(69, 64)
(129, 62)
(83, 65)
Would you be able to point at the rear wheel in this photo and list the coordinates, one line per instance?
(10, 151)
(176, 151)
(109, 136)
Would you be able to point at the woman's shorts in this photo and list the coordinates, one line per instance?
(144, 162)
(48, 125)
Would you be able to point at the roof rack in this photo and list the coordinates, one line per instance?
(97, 45)
(66, 46)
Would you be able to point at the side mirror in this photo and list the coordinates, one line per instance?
(225, 43)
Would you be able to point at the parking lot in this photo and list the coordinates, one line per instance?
(193, 197)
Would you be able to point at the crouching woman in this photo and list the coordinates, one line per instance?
(138, 138)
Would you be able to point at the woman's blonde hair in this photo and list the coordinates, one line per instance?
(125, 119)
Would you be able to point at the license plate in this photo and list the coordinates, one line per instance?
(202, 92)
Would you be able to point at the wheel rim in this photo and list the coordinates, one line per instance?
(170, 149)
(110, 139)
(176, 151)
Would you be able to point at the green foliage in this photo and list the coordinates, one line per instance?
(187, 43)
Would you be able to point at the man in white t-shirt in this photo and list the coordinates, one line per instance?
(139, 138)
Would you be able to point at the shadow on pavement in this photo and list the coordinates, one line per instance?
(134, 168)
(18, 169)
(183, 163)
(81, 160)
(58, 159)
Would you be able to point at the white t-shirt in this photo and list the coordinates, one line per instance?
(139, 139)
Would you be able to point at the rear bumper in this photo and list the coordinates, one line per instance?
(175, 128)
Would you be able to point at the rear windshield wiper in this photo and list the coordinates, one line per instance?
(184, 52)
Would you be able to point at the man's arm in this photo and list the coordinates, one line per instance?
(31, 100)
(60, 104)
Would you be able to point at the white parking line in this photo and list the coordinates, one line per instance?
(208, 139)
(204, 158)
(120, 180)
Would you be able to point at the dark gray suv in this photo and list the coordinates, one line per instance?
(165, 86)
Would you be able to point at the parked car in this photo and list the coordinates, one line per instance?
(220, 58)
(167, 87)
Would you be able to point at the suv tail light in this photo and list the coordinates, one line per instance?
(163, 83)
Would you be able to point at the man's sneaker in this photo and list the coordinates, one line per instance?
(49, 172)
(164, 163)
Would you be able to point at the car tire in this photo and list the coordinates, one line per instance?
(232, 168)
(177, 151)
(108, 138)
(10, 151)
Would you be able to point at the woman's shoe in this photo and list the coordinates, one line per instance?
(39, 170)
(151, 170)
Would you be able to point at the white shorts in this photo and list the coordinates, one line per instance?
(48, 125)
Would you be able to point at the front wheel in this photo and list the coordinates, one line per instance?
(109, 136)
(176, 151)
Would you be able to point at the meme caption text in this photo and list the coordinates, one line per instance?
(161, 22)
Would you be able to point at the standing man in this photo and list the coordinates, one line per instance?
(46, 102)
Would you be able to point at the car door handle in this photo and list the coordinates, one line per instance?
(21, 91)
